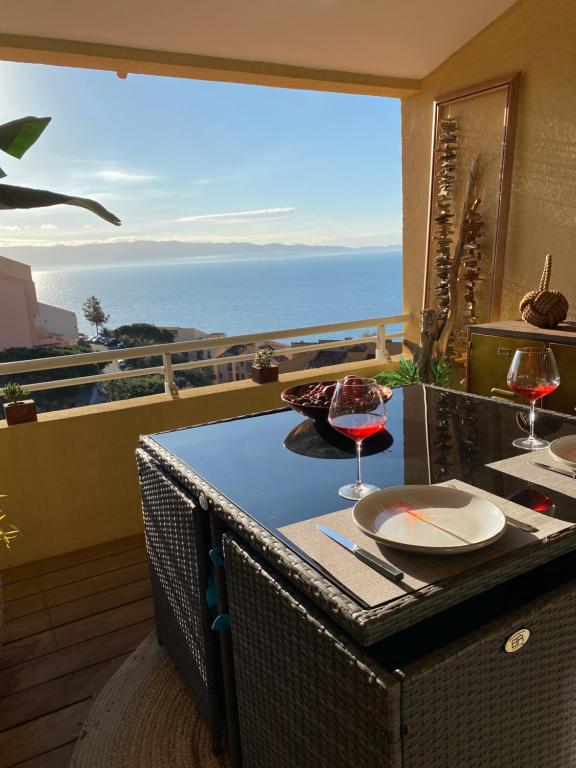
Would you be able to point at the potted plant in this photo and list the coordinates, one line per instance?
(263, 372)
(17, 409)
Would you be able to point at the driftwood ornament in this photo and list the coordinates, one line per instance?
(543, 307)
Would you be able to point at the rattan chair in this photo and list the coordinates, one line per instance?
(177, 540)
(308, 697)
(454, 691)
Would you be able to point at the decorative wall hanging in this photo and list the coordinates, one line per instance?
(469, 199)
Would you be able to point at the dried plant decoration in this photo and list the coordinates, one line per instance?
(8, 532)
(469, 234)
(442, 330)
(446, 150)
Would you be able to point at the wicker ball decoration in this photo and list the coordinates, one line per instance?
(544, 308)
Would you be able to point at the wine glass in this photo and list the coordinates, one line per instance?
(357, 411)
(533, 374)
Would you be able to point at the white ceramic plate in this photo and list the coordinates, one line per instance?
(430, 518)
(563, 449)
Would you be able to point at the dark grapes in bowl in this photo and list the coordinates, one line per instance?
(313, 400)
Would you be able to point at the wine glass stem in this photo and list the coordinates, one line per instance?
(532, 419)
(358, 452)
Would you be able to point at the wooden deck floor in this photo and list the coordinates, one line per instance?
(70, 622)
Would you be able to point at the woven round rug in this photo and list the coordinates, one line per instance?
(144, 718)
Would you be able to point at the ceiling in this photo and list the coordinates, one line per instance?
(395, 38)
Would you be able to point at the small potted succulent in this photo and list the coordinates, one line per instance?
(17, 409)
(263, 371)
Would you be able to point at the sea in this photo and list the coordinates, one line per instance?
(235, 296)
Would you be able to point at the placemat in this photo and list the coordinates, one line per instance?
(420, 570)
(519, 466)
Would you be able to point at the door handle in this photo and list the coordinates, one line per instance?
(495, 392)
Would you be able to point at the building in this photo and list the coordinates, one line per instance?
(24, 321)
(194, 334)
(59, 323)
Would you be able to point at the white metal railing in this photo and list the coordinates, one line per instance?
(168, 368)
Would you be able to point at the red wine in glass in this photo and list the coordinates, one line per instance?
(358, 426)
(533, 374)
(532, 392)
(357, 411)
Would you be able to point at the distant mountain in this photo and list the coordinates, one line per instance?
(152, 252)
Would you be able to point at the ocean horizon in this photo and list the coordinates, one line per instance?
(234, 295)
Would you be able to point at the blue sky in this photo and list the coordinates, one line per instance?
(190, 160)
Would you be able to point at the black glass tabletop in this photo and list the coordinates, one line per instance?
(280, 468)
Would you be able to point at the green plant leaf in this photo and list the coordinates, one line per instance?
(405, 373)
(440, 372)
(23, 197)
(17, 136)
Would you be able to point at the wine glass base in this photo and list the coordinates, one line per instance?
(530, 443)
(357, 491)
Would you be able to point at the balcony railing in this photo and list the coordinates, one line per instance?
(166, 351)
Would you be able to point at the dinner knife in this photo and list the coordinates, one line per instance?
(565, 472)
(386, 569)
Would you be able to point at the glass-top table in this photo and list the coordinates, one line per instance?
(259, 473)
(280, 468)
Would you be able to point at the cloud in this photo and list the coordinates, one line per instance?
(122, 176)
(261, 213)
(10, 228)
(48, 226)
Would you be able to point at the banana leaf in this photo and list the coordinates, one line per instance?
(23, 197)
(17, 136)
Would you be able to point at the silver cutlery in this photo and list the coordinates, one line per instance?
(520, 524)
(564, 472)
(386, 569)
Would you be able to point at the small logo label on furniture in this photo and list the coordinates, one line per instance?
(517, 640)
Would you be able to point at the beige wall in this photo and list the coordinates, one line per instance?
(538, 38)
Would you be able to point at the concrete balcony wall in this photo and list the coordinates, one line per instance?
(71, 478)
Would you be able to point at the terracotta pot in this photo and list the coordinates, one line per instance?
(265, 375)
(21, 412)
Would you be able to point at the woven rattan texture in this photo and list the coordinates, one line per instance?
(177, 544)
(307, 697)
(476, 706)
(367, 626)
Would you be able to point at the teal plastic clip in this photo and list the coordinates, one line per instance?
(217, 556)
(221, 622)
(211, 593)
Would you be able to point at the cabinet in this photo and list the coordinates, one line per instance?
(491, 347)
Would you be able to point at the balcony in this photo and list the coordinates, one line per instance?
(76, 585)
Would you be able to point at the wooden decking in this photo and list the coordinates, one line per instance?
(70, 622)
